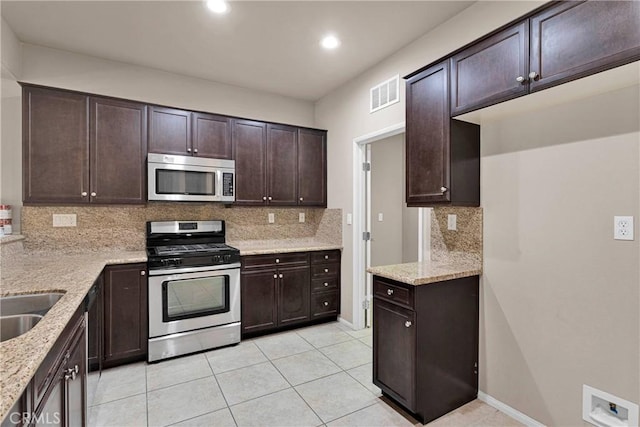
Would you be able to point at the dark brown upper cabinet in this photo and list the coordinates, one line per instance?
(574, 39)
(491, 71)
(279, 165)
(563, 42)
(442, 154)
(250, 148)
(118, 151)
(282, 158)
(312, 167)
(79, 149)
(55, 146)
(185, 133)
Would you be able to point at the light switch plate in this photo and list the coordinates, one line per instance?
(452, 222)
(271, 218)
(64, 220)
(380, 217)
(349, 219)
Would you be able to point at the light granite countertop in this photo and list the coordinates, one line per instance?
(35, 272)
(426, 272)
(263, 247)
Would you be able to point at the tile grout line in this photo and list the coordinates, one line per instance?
(221, 392)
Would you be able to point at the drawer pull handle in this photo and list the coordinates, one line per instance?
(277, 260)
(389, 292)
(326, 257)
(326, 284)
(407, 324)
(326, 304)
(326, 270)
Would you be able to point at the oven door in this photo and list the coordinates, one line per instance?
(185, 300)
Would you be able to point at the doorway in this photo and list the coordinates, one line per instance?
(386, 231)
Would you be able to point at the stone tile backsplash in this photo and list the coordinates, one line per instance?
(124, 227)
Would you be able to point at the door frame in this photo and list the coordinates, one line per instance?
(361, 213)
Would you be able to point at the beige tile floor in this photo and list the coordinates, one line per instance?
(315, 376)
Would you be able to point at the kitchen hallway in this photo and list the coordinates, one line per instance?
(314, 376)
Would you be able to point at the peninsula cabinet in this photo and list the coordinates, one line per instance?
(80, 149)
(442, 154)
(562, 42)
(125, 314)
(425, 344)
(186, 133)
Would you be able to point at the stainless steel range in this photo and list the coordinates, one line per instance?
(194, 288)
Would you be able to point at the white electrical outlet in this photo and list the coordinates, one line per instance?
(452, 222)
(271, 218)
(301, 217)
(64, 220)
(380, 217)
(349, 219)
(623, 227)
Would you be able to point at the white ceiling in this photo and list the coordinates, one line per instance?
(264, 45)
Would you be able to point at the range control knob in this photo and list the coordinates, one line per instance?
(217, 259)
(227, 258)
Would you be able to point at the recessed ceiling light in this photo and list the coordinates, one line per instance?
(330, 42)
(217, 6)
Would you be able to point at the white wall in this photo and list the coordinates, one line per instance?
(560, 296)
(10, 51)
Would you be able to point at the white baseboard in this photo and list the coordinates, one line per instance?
(513, 413)
(344, 322)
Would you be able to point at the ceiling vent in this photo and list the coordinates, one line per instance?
(385, 94)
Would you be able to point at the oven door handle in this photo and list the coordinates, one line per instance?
(184, 270)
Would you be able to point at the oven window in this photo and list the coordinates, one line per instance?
(170, 181)
(189, 298)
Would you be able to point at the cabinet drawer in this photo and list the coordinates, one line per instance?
(324, 304)
(327, 270)
(393, 293)
(325, 256)
(262, 261)
(326, 284)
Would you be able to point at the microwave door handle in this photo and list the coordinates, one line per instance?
(218, 194)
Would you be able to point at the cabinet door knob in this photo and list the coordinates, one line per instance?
(93, 194)
(407, 324)
(270, 198)
(195, 150)
(326, 270)
(520, 79)
(188, 150)
(326, 257)
(264, 198)
(281, 276)
(326, 284)
(277, 260)
(533, 75)
(83, 194)
(326, 303)
(143, 273)
(301, 199)
(389, 292)
(443, 189)
(275, 276)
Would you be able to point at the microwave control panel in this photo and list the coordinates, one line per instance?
(227, 184)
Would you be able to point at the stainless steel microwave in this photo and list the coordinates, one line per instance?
(190, 179)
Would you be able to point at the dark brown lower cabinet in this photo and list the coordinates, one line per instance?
(289, 289)
(125, 314)
(425, 344)
(62, 391)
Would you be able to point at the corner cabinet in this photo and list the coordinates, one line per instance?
(425, 344)
(80, 149)
(281, 290)
(442, 154)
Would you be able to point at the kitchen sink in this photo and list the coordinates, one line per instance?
(13, 326)
(28, 304)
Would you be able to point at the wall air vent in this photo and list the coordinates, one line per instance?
(385, 94)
